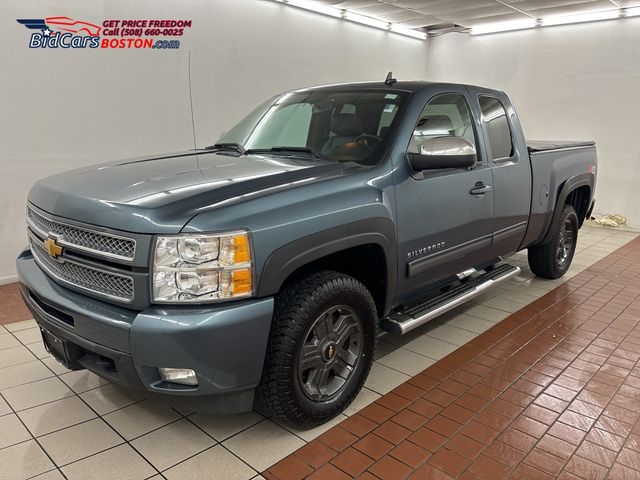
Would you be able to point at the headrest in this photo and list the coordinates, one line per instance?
(344, 124)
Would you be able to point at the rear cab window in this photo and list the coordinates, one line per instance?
(496, 127)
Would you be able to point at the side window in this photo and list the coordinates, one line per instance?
(446, 114)
(494, 118)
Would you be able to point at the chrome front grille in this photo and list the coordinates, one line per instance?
(91, 241)
(95, 280)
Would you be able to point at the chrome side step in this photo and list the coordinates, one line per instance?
(405, 320)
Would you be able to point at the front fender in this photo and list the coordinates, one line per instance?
(294, 255)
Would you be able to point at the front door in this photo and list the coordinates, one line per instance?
(444, 216)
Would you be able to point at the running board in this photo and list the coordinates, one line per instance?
(405, 320)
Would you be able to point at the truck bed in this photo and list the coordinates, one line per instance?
(552, 163)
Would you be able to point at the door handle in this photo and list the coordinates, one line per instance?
(480, 189)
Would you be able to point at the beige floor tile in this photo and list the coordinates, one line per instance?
(31, 335)
(263, 444)
(406, 361)
(487, 313)
(23, 461)
(24, 325)
(36, 393)
(79, 441)
(56, 415)
(121, 462)
(22, 374)
(55, 366)
(110, 397)
(227, 467)
(82, 380)
(8, 341)
(311, 433)
(51, 475)
(504, 304)
(471, 324)
(364, 398)
(383, 379)
(222, 427)
(172, 444)
(451, 334)
(5, 409)
(38, 350)
(431, 347)
(384, 348)
(534, 291)
(12, 431)
(141, 418)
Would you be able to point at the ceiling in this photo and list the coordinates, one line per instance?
(432, 15)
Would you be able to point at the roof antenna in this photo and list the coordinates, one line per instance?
(389, 81)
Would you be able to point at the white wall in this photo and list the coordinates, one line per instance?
(60, 109)
(567, 82)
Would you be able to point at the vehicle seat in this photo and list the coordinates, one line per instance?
(346, 127)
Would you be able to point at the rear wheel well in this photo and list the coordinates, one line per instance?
(365, 263)
(579, 200)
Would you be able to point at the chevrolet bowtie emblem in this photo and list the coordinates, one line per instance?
(52, 247)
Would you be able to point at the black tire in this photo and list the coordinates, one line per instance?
(287, 389)
(553, 259)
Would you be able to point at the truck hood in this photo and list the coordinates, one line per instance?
(160, 194)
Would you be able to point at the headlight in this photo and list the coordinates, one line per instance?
(202, 268)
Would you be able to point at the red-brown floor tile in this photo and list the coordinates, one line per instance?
(315, 453)
(12, 308)
(449, 462)
(410, 454)
(388, 468)
(373, 446)
(352, 462)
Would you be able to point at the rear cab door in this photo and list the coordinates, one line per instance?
(506, 151)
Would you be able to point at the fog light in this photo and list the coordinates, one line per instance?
(184, 376)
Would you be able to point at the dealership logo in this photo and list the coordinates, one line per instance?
(66, 32)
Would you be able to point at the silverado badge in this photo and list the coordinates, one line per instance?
(52, 247)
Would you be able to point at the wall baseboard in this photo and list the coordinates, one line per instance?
(7, 280)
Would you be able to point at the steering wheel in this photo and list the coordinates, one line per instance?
(370, 141)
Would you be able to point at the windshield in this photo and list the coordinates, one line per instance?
(335, 125)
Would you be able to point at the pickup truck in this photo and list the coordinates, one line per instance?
(262, 269)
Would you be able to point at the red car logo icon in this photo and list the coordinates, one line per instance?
(74, 26)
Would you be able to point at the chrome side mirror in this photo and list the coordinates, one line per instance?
(444, 152)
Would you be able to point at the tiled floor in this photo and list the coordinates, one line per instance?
(553, 391)
(58, 424)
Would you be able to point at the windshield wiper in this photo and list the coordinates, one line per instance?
(285, 149)
(227, 146)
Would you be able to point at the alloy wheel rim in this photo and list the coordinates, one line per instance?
(330, 353)
(565, 243)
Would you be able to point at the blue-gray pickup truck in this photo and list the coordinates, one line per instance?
(263, 268)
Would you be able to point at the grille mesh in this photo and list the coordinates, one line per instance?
(82, 276)
(95, 241)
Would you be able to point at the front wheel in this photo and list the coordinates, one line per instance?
(320, 349)
(553, 259)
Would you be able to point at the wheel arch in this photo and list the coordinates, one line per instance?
(576, 191)
(365, 250)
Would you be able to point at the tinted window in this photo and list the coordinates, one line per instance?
(496, 125)
(444, 115)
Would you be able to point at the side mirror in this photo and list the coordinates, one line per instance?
(444, 152)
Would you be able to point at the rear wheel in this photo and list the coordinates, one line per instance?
(320, 349)
(553, 259)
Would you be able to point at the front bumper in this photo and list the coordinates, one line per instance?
(224, 344)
